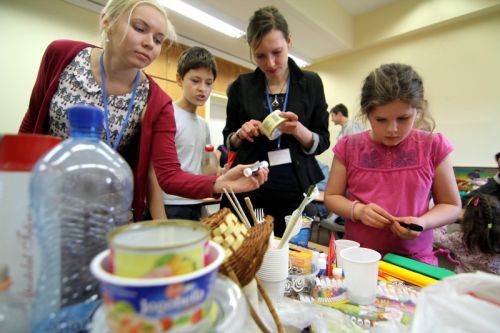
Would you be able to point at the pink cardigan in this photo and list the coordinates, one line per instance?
(157, 136)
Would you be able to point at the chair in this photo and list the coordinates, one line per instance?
(330, 223)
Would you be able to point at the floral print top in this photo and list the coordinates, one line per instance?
(470, 261)
(78, 86)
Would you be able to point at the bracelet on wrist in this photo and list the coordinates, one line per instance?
(354, 203)
(237, 133)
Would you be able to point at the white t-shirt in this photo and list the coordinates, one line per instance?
(350, 127)
(190, 139)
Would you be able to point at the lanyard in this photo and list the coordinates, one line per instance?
(285, 103)
(105, 103)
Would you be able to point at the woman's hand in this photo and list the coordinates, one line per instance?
(372, 215)
(249, 130)
(235, 179)
(291, 123)
(403, 231)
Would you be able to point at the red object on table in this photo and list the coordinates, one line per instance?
(331, 255)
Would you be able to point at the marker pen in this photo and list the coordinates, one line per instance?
(250, 171)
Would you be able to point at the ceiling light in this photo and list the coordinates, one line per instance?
(300, 62)
(202, 17)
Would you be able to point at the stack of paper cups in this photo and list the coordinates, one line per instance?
(274, 270)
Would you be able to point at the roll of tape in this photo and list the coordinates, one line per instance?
(270, 125)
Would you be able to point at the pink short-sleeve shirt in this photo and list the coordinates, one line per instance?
(399, 179)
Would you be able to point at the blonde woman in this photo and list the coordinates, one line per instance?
(139, 118)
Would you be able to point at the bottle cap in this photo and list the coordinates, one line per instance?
(209, 148)
(85, 116)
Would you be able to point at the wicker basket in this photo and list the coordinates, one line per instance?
(243, 259)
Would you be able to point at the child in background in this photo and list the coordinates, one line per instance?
(390, 171)
(477, 245)
(196, 73)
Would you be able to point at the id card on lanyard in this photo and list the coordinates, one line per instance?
(279, 156)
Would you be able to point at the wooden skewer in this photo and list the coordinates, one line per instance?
(244, 217)
(238, 212)
(252, 211)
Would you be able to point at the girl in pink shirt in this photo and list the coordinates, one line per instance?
(381, 180)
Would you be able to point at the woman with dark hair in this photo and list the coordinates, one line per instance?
(277, 84)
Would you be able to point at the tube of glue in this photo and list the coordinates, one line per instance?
(250, 171)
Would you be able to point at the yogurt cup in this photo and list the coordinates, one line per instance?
(158, 249)
(172, 304)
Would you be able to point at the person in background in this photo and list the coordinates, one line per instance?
(340, 116)
(474, 174)
(390, 171)
(476, 246)
(277, 84)
(196, 73)
(139, 117)
(492, 186)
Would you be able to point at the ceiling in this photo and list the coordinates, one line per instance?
(320, 28)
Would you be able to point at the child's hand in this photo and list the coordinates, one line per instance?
(407, 227)
(373, 215)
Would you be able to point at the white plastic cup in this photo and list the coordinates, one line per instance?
(274, 267)
(274, 289)
(341, 244)
(361, 271)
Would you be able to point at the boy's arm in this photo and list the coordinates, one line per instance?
(155, 196)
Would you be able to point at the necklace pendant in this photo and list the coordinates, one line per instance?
(275, 103)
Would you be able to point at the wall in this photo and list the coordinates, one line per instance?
(28, 26)
(461, 72)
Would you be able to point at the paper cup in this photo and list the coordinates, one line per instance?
(274, 267)
(361, 271)
(341, 244)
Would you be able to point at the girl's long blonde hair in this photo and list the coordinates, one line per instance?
(114, 9)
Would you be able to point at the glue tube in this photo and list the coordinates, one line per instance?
(250, 171)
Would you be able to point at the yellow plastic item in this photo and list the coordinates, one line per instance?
(300, 258)
(405, 274)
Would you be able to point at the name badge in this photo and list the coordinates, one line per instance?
(278, 157)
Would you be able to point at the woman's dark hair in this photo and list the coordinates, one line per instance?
(481, 223)
(263, 21)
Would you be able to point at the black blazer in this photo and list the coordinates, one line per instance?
(246, 100)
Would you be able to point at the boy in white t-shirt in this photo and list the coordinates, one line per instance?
(196, 72)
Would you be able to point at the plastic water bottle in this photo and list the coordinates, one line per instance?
(12, 310)
(210, 162)
(79, 192)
